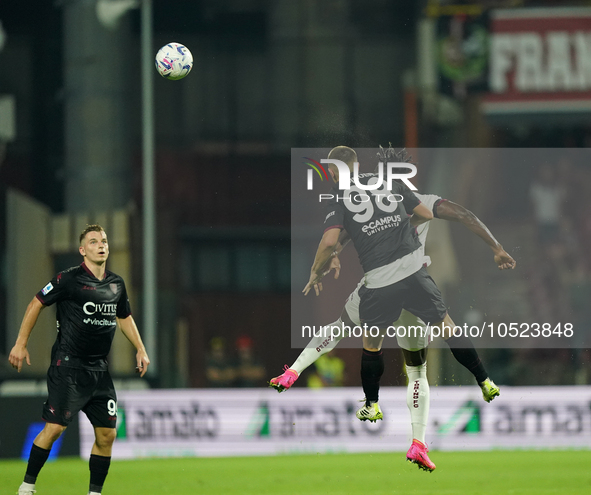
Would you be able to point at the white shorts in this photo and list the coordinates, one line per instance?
(411, 332)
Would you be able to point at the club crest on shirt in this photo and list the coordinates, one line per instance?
(114, 288)
(47, 289)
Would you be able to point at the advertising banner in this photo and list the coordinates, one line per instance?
(21, 420)
(240, 422)
(539, 61)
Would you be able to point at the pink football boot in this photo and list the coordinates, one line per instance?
(418, 454)
(284, 381)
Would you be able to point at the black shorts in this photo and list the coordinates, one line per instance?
(417, 293)
(75, 389)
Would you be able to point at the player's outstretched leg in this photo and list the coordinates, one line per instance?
(417, 401)
(372, 369)
(285, 380)
(466, 355)
(489, 390)
(330, 336)
(417, 454)
(370, 411)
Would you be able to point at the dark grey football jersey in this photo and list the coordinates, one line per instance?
(377, 221)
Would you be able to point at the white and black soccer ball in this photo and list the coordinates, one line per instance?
(174, 61)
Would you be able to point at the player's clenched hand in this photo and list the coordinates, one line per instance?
(504, 260)
(143, 361)
(17, 355)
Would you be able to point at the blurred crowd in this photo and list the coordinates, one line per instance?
(240, 369)
(243, 368)
(560, 278)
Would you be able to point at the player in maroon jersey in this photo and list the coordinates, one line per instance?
(91, 301)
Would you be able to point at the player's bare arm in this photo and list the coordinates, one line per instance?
(333, 262)
(448, 210)
(130, 330)
(344, 239)
(325, 250)
(19, 352)
(421, 214)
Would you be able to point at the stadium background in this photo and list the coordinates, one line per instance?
(268, 77)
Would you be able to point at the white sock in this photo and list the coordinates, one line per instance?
(27, 486)
(417, 400)
(94, 493)
(318, 346)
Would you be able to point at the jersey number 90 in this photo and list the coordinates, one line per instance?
(363, 204)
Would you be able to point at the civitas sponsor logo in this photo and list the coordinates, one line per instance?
(91, 308)
(96, 321)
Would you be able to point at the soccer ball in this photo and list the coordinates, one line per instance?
(174, 61)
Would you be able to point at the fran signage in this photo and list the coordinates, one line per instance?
(539, 61)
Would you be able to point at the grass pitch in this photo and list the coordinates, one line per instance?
(465, 473)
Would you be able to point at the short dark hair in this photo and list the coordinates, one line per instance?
(343, 153)
(90, 228)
